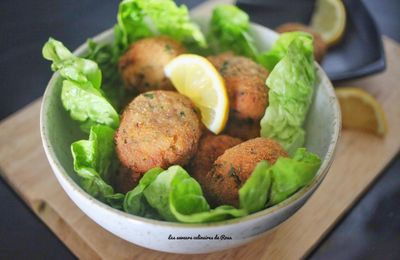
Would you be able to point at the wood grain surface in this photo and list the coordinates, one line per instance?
(359, 160)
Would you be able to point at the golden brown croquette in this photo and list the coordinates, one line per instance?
(230, 171)
(142, 66)
(210, 148)
(245, 84)
(243, 129)
(126, 179)
(158, 128)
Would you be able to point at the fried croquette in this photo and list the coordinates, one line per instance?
(230, 171)
(142, 66)
(243, 129)
(210, 148)
(245, 84)
(320, 46)
(126, 179)
(158, 128)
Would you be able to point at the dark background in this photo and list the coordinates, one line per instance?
(371, 230)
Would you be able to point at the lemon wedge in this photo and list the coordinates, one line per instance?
(361, 111)
(329, 20)
(195, 77)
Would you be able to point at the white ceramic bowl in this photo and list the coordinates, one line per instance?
(58, 131)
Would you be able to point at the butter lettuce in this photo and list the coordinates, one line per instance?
(229, 31)
(280, 48)
(253, 195)
(70, 67)
(291, 174)
(93, 160)
(135, 202)
(87, 105)
(144, 18)
(291, 87)
(107, 56)
(270, 184)
(187, 204)
(173, 195)
(81, 94)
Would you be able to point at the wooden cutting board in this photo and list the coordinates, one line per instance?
(359, 160)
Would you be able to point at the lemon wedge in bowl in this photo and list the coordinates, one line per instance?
(195, 77)
(329, 20)
(361, 111)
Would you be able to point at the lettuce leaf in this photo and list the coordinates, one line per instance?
(271, 57)
(143, 18)
(70, 67)
(219, 213)
(270, 184)
(107, 56)
(291, 87)
(229, 31)
(173, 195)
(289, 175)
(178, 197)
(81, 94)
(188, 204)
(135, 202)
(87, 104)
(254, 193)
(93, 161)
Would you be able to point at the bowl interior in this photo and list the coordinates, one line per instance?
(59, 130)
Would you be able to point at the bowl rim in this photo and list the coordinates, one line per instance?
(320, 175)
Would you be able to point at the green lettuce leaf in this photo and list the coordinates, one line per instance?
(178, 197)
(270, 184)
(212, 215)
(87, 104)
(107, 56)
(134, 202)
(70, 67)
(81, 94)
(271, 57)
(229, 31)
(173, 195)
(289, 175)
(291, 87)
(188, 204)
(253, 195)
(115, 200)
(143, 18)
(93, 159)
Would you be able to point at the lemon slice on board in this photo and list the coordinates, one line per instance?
(195, 77)
(361, 111)
(329, 20)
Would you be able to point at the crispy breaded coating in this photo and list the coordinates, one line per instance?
(320, 46)
(158, 128)
(142, 66)
(245, 84)
(234, 167)
(210, 148)
(243, 129)
(126, 180)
